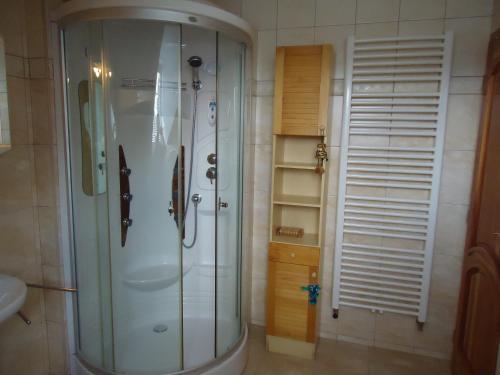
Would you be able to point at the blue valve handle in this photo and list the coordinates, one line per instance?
(313, 290)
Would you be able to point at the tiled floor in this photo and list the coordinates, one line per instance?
(339, 358)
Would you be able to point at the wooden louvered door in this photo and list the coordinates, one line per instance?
(301, 90)
(477, 331)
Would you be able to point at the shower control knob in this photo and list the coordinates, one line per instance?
(125, 171)
(127, 222)
(212, 159)
(223, 204)
(127, 197)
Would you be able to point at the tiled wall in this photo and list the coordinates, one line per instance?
(29, 246)
(287, 22)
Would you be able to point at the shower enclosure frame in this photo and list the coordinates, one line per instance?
(184, 12)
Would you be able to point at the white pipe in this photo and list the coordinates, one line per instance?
(399, 46)
(348, 290)
(383, 170)
(395, 186)
(400, 38)
(377, 109)
(382, 162)
(387, 262)
(388, 221)
(385, 227)
(382, 282)
(394, 133)
(391, 206)
(388, 178)
(379, 309)
(383, 234)
(433, 78)
(384, 248)
(393, 148)
(391, 155)
(376, 301)
(385, 213)
(383, 255)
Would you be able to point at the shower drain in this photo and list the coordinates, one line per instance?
(160, 328)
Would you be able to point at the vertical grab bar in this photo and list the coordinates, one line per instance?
(125, 196)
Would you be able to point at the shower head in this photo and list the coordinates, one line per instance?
(195, 62)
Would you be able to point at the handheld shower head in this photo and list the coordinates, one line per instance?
(195, 62)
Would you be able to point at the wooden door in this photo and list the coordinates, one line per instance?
(477, 330)
(289, 313)
(301, 90)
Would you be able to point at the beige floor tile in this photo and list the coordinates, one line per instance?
(339, 358)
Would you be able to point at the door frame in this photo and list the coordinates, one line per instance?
(476, 254)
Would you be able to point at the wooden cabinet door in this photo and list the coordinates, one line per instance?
(289, 313)
(477, 332)
(301, 90)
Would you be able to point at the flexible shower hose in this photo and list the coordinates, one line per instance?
(190, 179)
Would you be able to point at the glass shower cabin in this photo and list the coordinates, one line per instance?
(155, 116)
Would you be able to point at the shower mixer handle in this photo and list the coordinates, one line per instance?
(211, 174)
(127, 222)
(223, 204)
(127, 197)
(124, 171)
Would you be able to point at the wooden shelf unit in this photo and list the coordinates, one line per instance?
(297, 199)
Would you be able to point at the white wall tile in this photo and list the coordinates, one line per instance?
(369, 11)
(266, 52)
(451, 229)
(374, 30)
(471, 43)
(468, 8)
(456, 177)
(264, 120)
(423, 27)
(335, 12)
(258, 306)
(263, 88)
(357, 323)
(335, 130)
(262, 167)
(462, 123)
(395, 329)
(466, 85)
(421, 9)
(337, 36)
(337, 87)
(334, 20)
(294, 37)
(233, 6)
(444, 283)
(296, 13)
(495, 24)
(261, 14)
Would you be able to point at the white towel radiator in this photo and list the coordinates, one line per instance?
(395, 100)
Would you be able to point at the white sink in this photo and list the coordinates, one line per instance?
(12, 296)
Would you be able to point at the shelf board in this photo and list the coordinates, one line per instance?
(297, 200)
(309, 239)
(293, 165)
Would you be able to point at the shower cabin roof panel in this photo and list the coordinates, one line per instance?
(196, 13)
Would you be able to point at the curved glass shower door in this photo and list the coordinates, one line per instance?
(125, 165)
(159, 281)
(142, 66)
(230, 59)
